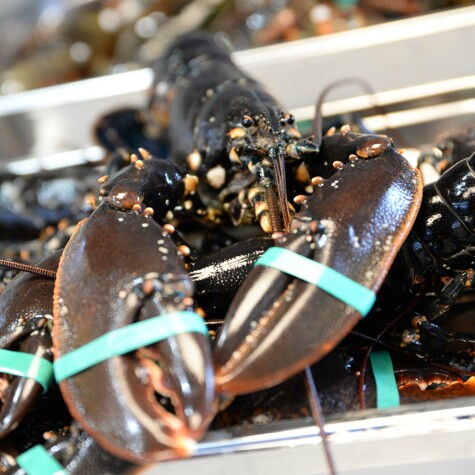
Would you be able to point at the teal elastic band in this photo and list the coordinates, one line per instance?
(387, 393)
(343, 288)
(126, 339)
(37, 461)
(27, 365)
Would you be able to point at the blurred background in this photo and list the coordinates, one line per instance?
(66, 63)
(48, 42)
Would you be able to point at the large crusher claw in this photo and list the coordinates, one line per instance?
(122, 295)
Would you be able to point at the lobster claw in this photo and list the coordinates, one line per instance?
(121, 281)
(186, 378)
(352, 225)
(22, 392)
(25, 336)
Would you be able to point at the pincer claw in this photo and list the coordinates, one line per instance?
(284, 317)
(25, 342)
(32, 366)
(130, 327)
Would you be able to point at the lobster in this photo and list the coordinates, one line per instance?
(273, 309)
(226, 129)
(336, 376)
(250, 139)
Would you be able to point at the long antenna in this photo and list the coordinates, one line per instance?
(28, 268)
(317, 414)
(363, 84)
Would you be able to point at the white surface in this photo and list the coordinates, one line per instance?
(414, 441)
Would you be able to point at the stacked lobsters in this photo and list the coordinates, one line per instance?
(122, 317)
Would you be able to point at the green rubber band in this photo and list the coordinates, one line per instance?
(343, 288)
(27, 365)
(387, 393)
(37, 461)
(126, 339)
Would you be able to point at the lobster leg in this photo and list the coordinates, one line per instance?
(354, 224)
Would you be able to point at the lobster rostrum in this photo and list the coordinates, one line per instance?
(94, 296)
(354, 223)
(225, 128)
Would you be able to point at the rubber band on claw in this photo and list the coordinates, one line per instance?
(129, 338)
(37, 461)
(331, 281)
(27, 365)
(387, 393)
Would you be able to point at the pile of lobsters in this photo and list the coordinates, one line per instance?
(222, 255)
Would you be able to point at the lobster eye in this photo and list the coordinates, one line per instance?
(290, 119)
(247, 121)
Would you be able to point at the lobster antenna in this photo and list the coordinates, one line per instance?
(215, 321)
(317, 415)
(28, 268)
(363, 83)
(282, 187)
(273, 209)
